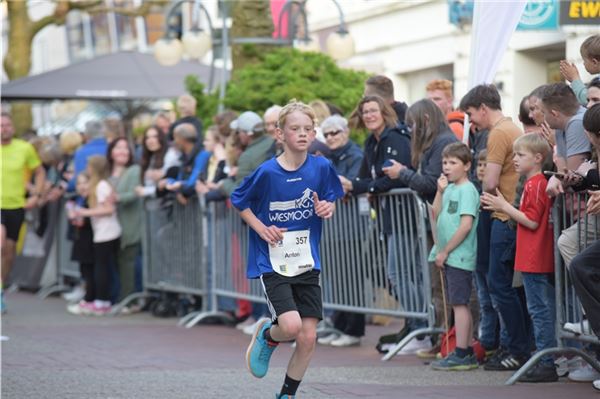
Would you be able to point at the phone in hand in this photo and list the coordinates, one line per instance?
(388, 163)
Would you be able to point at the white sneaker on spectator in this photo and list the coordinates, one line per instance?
(578, 328)
(596, 385)
(565, 366)
(81, 308)
(3, 338)
(75, 295)
(326, 340)
(249, 329)
(345, 340)
(584, 374)
(415, 345)
(248, 322)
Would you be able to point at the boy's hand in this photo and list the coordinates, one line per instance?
(569, 71)
(323, 209)
(442, 183)
(393, 171)
(593, 204)
(271, 234)
(494, 202)
(554, 187)
(440, 259)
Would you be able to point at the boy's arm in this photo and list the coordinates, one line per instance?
(465, 226)
(498, 203)
(437, 204)
(271, 234)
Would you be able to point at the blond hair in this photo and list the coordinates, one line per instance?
(293, 106)
(69, 142)
(98, 171)
(533, 143)
(321, 110)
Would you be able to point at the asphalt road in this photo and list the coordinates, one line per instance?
(52, 354)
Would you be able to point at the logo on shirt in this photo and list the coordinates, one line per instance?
(298, 209)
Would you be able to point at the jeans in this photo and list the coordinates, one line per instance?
(585, 274)
(407, 288)
(504, 297)
(541, 306)
(488, 317)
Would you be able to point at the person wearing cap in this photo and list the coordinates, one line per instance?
(258, 148)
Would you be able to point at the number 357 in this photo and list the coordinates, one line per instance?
(300, 240)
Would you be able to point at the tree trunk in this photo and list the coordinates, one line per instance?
(17, 61)
(250, 18)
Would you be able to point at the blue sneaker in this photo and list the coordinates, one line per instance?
(284, 396)
(259, 352)
(455, 363)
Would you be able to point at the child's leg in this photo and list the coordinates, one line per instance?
(464, 325)
(305, 346)
(288, 327)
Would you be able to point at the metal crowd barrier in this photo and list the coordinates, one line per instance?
(173, 251)
(568, 210)
(65, 267)
(364, 246)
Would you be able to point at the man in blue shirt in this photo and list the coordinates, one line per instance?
(96, 145)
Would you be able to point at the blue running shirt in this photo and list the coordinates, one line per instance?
(285, 199)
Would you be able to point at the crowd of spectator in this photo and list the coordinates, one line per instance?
(517, 170)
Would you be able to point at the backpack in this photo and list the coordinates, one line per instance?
(448, 344)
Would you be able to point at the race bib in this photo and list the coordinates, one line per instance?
(292, 255)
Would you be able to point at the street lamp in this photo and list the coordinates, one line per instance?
(339, 45)
(197, 42)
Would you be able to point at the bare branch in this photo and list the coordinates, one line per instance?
(63, 7)
(60, 14)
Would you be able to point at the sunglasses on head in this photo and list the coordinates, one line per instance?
(332, 134)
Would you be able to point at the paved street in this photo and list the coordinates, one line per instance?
(51, 354)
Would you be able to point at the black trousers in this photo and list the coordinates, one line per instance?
(105, 260)
(87, 273)
(585, 274)
(349, 323)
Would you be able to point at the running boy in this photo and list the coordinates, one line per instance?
(535, 255)
(283, 202)
(456, 208)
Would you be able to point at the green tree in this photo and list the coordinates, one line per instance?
(282, 75)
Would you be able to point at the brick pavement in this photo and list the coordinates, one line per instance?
(52, 354)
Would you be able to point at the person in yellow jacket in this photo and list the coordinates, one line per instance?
(19, 161)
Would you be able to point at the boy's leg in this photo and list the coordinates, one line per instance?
(540, 304)
(458, 286)
(305, 347)
(464, 326)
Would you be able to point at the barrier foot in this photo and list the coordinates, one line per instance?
(118, 307)
(563, 351)
(203, 315)
(44, 293)
(185, 319)
(413, 334)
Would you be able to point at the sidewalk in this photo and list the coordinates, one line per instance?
(52, 354)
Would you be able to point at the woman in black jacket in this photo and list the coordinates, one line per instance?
(430, 134)
(389, 143)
